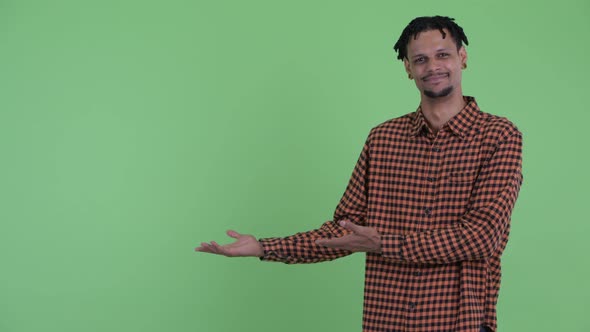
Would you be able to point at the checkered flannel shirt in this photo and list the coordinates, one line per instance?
(442, 204)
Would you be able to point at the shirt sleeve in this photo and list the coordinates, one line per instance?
(477, 233)
(301, 247)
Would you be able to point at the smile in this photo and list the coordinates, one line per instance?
(435, 78)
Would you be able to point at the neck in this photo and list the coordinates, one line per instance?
(438, 111)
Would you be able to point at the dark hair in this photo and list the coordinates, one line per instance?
(427, 23)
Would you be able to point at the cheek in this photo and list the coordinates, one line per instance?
(416, 72)
(458, 74)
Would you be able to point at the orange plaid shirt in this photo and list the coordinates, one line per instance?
(442, 204)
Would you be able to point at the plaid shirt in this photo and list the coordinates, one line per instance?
(442, 204)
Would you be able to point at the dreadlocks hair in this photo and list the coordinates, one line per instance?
(427, 23)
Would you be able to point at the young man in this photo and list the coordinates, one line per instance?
(429, 201)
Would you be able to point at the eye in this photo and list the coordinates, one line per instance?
(443, 55)
(419, 60)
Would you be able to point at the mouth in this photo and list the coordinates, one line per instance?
(433, 78)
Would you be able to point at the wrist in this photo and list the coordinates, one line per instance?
(260, 252)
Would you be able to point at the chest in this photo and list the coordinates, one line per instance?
(417, 183)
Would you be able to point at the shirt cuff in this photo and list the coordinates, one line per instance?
(270, 248)
(392, 246)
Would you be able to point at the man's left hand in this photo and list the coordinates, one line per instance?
(362, 239)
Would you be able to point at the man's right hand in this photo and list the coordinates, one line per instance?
(244, 246)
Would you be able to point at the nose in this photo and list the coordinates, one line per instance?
(433, 65)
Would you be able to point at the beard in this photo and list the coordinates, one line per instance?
(442, 93)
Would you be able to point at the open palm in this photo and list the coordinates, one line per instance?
(244, 246)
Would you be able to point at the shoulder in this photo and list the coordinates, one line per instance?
(497, 128)
(392, 127)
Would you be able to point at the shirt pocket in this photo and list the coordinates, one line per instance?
(455, 192)
(461, 177)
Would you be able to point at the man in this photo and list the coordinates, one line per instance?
(429, 201)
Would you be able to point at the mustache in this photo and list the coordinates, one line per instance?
(434, 74)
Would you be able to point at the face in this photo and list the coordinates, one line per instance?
(435, 64)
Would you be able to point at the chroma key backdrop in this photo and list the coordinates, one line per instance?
(132, 131)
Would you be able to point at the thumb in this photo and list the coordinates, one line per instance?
(233, 234)
(349, 225)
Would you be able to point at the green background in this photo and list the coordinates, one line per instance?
(130, 131)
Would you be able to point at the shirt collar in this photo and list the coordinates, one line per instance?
(460, 124)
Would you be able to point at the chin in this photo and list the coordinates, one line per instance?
(439, 94)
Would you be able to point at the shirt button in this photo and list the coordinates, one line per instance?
(427, 211)
(417, 273)
(436, 149)
(430, 179)
(411, 306)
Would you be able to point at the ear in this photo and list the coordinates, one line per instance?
(407, 66)
(463, 55)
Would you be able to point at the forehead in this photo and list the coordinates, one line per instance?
(430, 41)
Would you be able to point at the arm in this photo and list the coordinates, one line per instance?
(478, 233)
(302, 248)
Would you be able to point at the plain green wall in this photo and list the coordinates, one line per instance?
(130, 131)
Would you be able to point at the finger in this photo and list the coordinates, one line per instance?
(349, 225)
(328, 243)
(218, 249)
(338, 243)
(233, 234)
(214, 247)
(200, 248)
(205, 247)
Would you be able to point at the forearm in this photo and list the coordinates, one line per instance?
(473, 239)
(301, 248)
